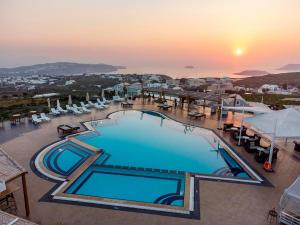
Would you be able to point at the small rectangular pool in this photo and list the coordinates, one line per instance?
(130, 185)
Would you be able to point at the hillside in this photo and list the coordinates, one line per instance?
(252, 73)
(60, 68)
(280, 79)
(291, 67)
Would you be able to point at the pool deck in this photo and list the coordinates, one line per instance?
(220, 202)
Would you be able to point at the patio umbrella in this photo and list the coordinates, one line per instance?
(49, 103)
(57, 103)
(279, 124)
(254, 109)
(87, 97)
(70, 100)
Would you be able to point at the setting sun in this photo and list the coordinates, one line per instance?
(238, 52)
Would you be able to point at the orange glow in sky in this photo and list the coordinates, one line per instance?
(208, 34)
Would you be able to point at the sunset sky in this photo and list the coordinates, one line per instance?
(220, 35)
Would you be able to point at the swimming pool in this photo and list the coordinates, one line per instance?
(139, 159)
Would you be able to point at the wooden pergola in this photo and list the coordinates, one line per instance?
(186, 96)
(8, 219)
(10, 170)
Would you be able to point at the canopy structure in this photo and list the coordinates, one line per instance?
(279, 124)
(287, 123)
(70, 100)
(290, 200)
(255, 109)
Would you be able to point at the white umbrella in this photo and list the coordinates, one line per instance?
(279, 124)
(57, 103)
(87, 97)
(70, 100)
(254, 109)
(49, 103)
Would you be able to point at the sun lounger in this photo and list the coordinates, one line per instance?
(73, 110)
(101, 103)
(67, 129)
(61, 110)
(98, 106)
(164, 106)
(35, 119)
(126, 104)
(85, 110)
(77, 107)
(196, 115)
(44, 117)
(106, 101)
(118, 99)
(91, 103)
(54, 112)
(84, 105)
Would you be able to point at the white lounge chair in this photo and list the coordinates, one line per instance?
(91, 103)
(85, 110)
(44, 117)
(84, 105)
(35, 119)
(97, 106)
(106, 101)
(101, 103)
(54, 112)
(73, 110)
(117, 98)
(69, 108)
(77, 107)
(61, 110)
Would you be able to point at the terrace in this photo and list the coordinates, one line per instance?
(220, 202)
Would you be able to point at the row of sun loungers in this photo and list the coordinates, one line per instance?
(78, 110)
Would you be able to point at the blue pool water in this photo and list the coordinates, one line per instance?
(137, 139)
(65, 158)
(142, 186)
(144, 158)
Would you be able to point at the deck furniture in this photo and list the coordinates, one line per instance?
(196, 115)
(10, 170)
(44, 117)
(227, 126)
(118, 99)
(126, 104)
(105, 100)
(164, 106)
(35, 120)
(272, 216)
(102, 103)
(297, 146)
(7, 199)
(54, 112)
(67, 129)
(98, 106)
(16, 118)
(61, 110)
(84, 105)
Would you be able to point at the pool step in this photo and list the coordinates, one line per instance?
(141, 169)
(85, 165)
(83, 144)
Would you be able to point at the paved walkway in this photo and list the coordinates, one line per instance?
(220, 202)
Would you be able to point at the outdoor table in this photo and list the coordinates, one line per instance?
(16, 118)
(126, 104)
(67, 129)
(196, 115)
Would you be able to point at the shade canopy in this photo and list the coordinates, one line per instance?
(287, 123)
(87, 97)
(57, 103)
(255, 109)
(290, 200)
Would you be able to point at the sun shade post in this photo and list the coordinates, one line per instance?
(240, 135)
(273, 142)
